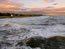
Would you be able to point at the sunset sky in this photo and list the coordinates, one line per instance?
(17, 5)
(31, 3)
(41, 3)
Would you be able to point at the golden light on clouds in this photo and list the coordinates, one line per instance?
(9, 6)
(21, 6)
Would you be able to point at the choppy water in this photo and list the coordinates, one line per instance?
(15, 29)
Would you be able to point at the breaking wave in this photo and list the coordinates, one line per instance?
(17, 29)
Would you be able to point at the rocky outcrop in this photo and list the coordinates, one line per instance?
(36, 42)
(56, 42)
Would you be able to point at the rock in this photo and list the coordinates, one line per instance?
(33, 42)
(20, 44)
(36, 42)
(56, 42)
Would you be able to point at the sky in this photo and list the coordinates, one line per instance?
(17, 5)
(33, 3)
(40, 3)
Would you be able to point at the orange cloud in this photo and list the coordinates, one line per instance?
(8, 6)
(46, 0)
(60, 11)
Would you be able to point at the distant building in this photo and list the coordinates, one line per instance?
(12, 15)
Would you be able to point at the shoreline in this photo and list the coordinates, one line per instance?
(16, 16)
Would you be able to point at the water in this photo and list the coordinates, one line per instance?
(13, 30)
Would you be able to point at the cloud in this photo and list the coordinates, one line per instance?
(1, 1)
(9, 6)
(49, 1)
(58, 11)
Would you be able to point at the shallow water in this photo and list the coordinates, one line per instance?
(13, 30)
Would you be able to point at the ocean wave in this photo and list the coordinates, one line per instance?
(17, 29)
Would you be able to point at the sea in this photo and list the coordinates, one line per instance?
(13, 30)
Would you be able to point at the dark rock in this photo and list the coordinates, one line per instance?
(20, 43)
(36, 42)
(56, 42)
(33, 42)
